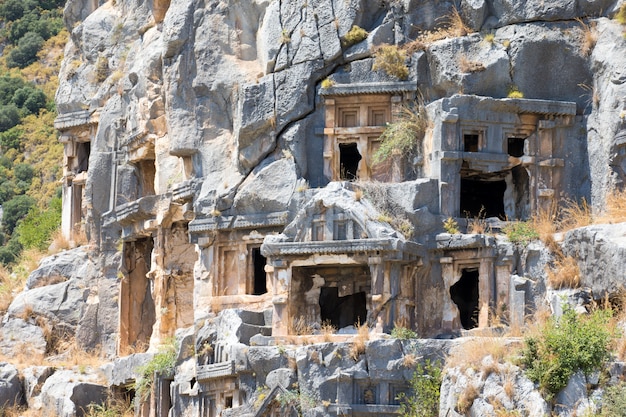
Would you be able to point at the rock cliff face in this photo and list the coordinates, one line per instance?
(232, 164)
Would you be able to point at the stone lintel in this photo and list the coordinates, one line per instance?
(369, 88)
(214, 371)
(77, 118)
(143, 209)
(464, 241)
(239, 221)
(338, 247)
(184, 191)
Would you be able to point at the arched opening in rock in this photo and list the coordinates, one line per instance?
(465, 295)
(483, 196)
(349, 158)
(259, 276)
(342, 311)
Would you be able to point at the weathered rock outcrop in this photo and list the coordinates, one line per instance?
(224, 139)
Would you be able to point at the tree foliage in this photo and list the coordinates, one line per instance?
(566, 345)
(423, 400)
(36, 229)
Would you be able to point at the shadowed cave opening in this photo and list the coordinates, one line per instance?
(342, 311)
(465, 295)
(349, 158)
(482, 197)
(260, 278)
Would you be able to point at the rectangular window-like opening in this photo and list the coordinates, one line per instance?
(146, 171)
(259, 277)
(349, 158)
(465, 295)
(228, 401)
(471, 142)
(515, 147)
(83, 150)
(482, 197)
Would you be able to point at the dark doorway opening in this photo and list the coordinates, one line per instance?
(470, 143)
(342, 311)
(349, 158)
(83, 149)
(465, 295)
(260, 277)
(515, 147)
(482, 198)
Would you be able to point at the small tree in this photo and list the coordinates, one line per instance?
(566, 345)
(425, 388)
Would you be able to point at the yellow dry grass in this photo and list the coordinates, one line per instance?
(565, 273)
(357, 348)
(588, 37)
(466, 399)
(466, 65)
(452, 26)
(471, 353)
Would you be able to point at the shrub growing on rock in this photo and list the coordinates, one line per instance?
(565, 346)
(423, 401)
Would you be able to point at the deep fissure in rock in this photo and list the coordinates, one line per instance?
(465, 295)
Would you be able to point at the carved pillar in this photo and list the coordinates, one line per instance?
(451, 320)
(485, 282)
(281, 283)
(329, 139)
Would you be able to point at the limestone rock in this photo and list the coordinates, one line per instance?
(68, 394)
(600, 251)
(34, 377)
(19, 335)
(10, 386)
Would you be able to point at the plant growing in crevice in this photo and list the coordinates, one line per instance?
(402, 135)
(451, 226)
(521, 232)
(423, 400)
(355, 35)
(162, 363)
(391, 59)
(514, 92)
(589, 36)
(566, 345)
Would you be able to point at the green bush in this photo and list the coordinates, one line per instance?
(14, 210)
(614, 401)
(521, 232)
(9, 117)
(163, 362)
(36, 229)
(567, 345)
(26, 51)
(400, 332)
(423, 401)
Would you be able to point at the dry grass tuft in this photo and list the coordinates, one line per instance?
(466, 65)
(300, 327)
(452, 26)
(466, 399)
(615, 208)
(574, 215)
(509, 385)
(472, 352)
(409, 360)
(588, 38)
(359, 341)
(478, 225)
(392, 60)
(545, 223)
(59, 242)
(327, 331)
(564, 274)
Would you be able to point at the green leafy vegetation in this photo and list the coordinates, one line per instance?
(402, 135)
(423, 401)
(30, 155)
(521, 232)
(620, 16)
(404, 333)
(566, 345)
(614, 401)
(451, 226)
(162, 363)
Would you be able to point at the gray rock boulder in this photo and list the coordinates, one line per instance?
(34, 378)
(20, 336)
(61, 267)
(600, 251)
(10, 386)
(69, 394)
